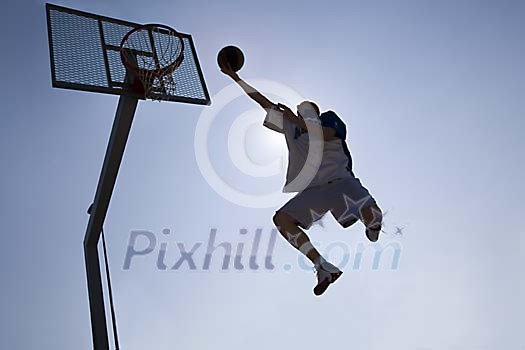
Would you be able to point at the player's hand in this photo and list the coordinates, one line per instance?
(227, 69)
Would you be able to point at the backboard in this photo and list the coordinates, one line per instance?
(85, 55)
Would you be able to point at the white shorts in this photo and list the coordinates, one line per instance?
(344, 198)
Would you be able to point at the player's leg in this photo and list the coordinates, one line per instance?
(300, 212)
(290, 230)
(352, 202)
(372, 217)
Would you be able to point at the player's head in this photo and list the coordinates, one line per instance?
(306, 108)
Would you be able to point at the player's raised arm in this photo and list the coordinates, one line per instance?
(250, 90)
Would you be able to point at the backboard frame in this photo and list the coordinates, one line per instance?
(114, 87)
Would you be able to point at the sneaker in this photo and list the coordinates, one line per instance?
(326, 275)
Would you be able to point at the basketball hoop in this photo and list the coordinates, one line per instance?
(151, 53)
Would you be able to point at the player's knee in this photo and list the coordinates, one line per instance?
(373, 220)
(372, 216)
(374, 228)
(281, 220)
(278, 219)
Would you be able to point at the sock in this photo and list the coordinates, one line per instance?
(319, 261)
(306, 247)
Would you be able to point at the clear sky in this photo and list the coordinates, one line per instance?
(433, 94)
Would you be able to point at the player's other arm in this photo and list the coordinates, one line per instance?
(250, 90)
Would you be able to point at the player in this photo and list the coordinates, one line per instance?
(320, 170)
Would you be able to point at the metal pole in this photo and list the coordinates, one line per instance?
(117, 142)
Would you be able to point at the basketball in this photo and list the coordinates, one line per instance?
(232, 55)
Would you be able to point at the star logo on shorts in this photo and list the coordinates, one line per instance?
(353, 207)
(317, 219)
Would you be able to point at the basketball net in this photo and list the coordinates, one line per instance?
(152, 57)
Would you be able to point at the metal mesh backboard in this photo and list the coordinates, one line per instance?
(85, 55)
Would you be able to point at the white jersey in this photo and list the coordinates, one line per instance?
(328, 161)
